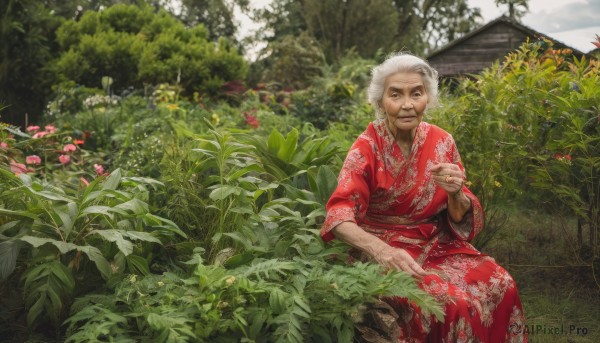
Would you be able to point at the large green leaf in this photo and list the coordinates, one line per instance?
(323, 183)
(12, 213)
(9, 251)
(125, 246)
(221, 192)
(113, 180)
(275, 142)
(97, 209)
(134, 205)
(96, 256)
(36, 242)
(141, 236)
(138, 264)
(288, 148)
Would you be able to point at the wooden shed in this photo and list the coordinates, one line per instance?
(481, 47)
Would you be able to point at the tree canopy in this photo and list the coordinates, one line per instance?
(136, 47)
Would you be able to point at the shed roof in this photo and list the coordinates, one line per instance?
(449, 61)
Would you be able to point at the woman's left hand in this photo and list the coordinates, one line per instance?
(448, 176)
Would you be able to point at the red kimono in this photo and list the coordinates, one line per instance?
(395, 198)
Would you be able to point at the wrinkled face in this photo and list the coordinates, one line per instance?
(404, 101)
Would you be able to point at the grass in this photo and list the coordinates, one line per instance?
(560, 296)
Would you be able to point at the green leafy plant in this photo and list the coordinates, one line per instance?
(107, 223)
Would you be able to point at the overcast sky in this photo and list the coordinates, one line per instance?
(573, 22)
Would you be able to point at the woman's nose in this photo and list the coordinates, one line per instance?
(407, 104)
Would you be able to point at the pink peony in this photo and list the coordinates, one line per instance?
(32, 128)
(99, 169)
(69, 148)
(40, 134)
(50, 128)
(19, 168)
(3, 145)
(64, 159)
(33, 159)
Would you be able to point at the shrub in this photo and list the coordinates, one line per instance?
(137, 47)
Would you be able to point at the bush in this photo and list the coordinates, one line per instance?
(137, 47)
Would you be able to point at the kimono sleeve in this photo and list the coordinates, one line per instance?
(350, 200)
(472, 223)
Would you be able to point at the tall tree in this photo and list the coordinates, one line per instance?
(26, 32)
(339, 25)
(443, 21)
(216, 15)
(516, 8)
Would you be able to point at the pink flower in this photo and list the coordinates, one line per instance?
(3, 145)
(99, 169)
(50, 128)
(18, 168)
(252, 121)
(64, 159)
(85, 182)
(565, 158)
(69, 148)
(40, 134)
(33, 159)
(32, 128)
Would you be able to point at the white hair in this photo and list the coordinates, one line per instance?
(401, 62)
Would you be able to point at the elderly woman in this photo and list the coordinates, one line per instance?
(402, 202)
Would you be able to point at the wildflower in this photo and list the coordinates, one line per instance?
(69, 148)
(83, 180)
(133, 278)
(99, 169)
(40, 134)
(50, 128)
(64, 159)
(497, 183)
(33, 159)
(18, 168)
(32, 128)
(3, 145)
(160, 283)
(252, 121)
(562, 157)
(215, 119)
(172, 106)
(230, 280)
(78, 141)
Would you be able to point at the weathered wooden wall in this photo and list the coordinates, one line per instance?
(479, 51)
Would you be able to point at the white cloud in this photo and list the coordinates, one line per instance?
(569, 16)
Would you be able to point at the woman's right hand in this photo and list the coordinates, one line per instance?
(397, 258)
(386, 255)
